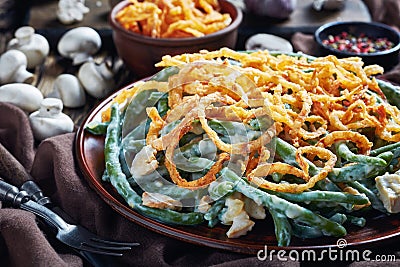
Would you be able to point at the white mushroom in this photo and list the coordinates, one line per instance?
(49, 120)
(144, 162)
(70, 11)
(262, 41)
(79, 44)
(160, 201)
(25, 96)
(240, 226)
(97, 79)
(253, 209)
(68, 88)
(388, 186)
(204, 204)
(33, 45)
(13, 65)
(234, 207)
(328, 4)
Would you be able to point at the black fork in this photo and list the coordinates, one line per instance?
(72, 235)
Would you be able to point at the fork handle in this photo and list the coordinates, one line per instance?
(20, 199)
(36, 194)
(49, 216)
(11, 194)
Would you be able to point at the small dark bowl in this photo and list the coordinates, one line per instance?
(387, 59)
(140, 53)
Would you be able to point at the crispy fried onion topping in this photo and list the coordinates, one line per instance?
(340, 91)
(189, 110)
(319, 101)
(263, 170)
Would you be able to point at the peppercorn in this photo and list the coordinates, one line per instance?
(362, 43)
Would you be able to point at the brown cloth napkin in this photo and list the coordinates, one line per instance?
(52, 166)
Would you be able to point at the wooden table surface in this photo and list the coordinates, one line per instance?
(42, 17)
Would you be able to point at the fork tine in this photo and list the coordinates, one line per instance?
(116, 243)
(99, 251)
(99, 246)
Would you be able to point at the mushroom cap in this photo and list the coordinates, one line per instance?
(50, 107)
(25, 96)
(49, 120)
(96, 79)
(262, 41)
(10, 62)
(68, 88)
(80, 40)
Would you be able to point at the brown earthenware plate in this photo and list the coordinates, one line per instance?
(379, 229)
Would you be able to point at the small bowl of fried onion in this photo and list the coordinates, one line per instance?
(144, 31)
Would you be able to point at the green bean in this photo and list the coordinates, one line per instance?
(191, 149)
(169, 127)
(156, 96)
(395, 151)
(170, 216)
(164, 74)
(283, 229)
(391, 92)
(387, 156)
(339, 218)
(288, 154)
(195, 156)
(227, 128)
(121, 184)
(379, 100)
(133, 146)
(359, 221)
(305, 231)
(192, 164)
(155, 182)
(111, 157)
(124, 165)
(105, 177)
(135, 113)
(283, 206)
(386, 148)
(212, 214)
(317, 195)
(131, 181)
(138, 133)
(359, 171)
(344, 152)
(260, 123)
(162, 106)
(219, 189)
(204, 148)
(161, 99)
(352, 172)
(97, 128)
(376, 203)
(277, 177)
(235, 131)
(326, 209)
